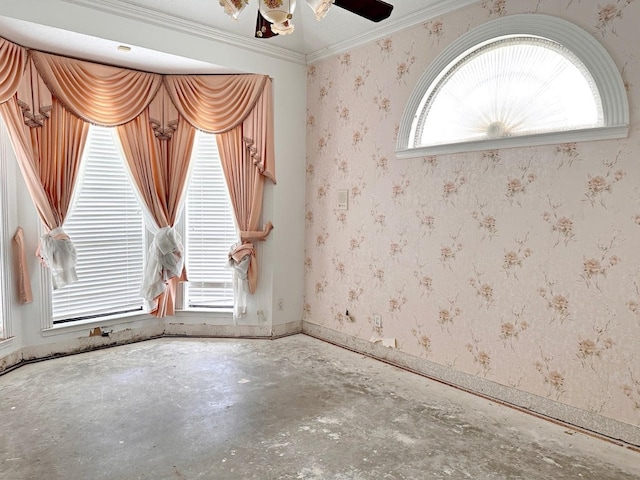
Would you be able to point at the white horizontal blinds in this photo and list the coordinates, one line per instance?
(106, 227)
(510, 87)
(210, 229)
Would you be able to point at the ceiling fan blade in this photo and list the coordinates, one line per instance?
(263, 27)
(374, 10)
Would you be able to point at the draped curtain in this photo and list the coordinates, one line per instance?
(239, 109)
(48, 142)
(48, 102)
(158, 159)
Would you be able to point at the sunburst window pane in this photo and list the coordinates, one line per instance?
(509, 87)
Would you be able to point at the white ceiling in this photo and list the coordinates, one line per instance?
(311, 40)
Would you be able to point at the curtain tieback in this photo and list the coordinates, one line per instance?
(256, 235)
(165, 261)
(57, 252)
(241, 256)
(241, 251)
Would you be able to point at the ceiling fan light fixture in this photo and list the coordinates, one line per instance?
(233, 7)
(277, 11)
(320, 7)
(284, 28)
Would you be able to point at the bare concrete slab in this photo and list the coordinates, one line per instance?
(293, 408)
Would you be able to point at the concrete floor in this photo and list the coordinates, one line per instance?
(293, 408)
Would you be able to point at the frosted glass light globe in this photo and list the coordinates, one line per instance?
(277, 11)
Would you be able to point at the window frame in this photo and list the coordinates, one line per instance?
(6, 278)
(593, 55)
(49, 327)
(184, 226)
(60, 319)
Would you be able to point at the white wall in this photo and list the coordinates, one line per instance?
(282, 255)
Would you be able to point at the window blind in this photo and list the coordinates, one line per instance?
(107, 229)
(210, 229)
(512, 86)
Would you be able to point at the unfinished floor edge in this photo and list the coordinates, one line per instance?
(608, 428)
(555, 411)
(88, 342)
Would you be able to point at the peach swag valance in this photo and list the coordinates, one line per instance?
(13, 58)
(48, 101)
(220, 103)
(97, 93)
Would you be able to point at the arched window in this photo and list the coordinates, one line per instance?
(516, 81)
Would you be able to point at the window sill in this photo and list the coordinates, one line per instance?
(225, 314)
(81, 325)
(6, 342)
(224, 310)
(554, 138)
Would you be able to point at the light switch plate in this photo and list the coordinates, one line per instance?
(343, 199)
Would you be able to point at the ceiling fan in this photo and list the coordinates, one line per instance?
(275, 16)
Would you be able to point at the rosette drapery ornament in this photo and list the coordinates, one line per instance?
(233, 8)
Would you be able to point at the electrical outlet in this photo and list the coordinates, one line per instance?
(281, 304)
(377, 320)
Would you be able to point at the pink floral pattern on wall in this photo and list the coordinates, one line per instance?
(521, 266)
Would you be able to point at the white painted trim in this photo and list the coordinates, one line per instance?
(595, 57)
(7, 277)
(82, 325)
(286, 329)
(155, 17)
(6, 343)
(147, 15)
(174, 328)
(553, 138)
(44, 279)
(389, 27)
(207, 317)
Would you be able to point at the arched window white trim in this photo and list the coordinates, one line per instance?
(599, 64)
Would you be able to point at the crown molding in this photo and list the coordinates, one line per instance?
(155, 17)
(429, 13)
(181, 25)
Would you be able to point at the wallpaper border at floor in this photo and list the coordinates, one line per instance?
(613, 430)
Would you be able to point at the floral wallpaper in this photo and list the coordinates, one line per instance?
(521, 266)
